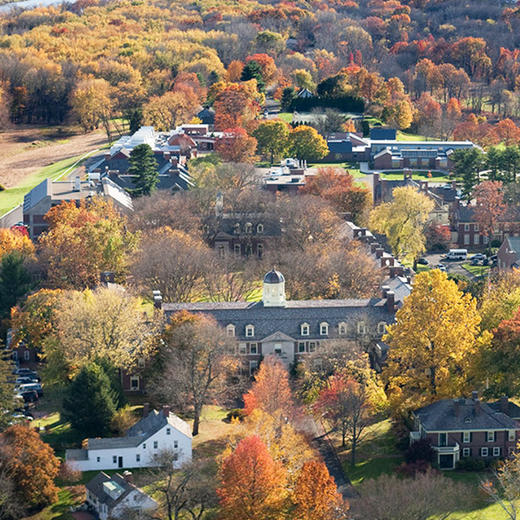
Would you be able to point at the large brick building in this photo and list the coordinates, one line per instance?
(459, 428)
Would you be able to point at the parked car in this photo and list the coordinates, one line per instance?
(478, 256)
(31, 386)
(26, 372)
(29, 396)
(475, 261)
(441, 267)
(423, 261)
(25, 380)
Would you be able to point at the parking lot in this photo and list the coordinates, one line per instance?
(452, 266)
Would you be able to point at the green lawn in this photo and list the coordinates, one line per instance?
(67, 497)
(404, 136)
(285, 116)
(477, 270)
(10, 198)
(436, 176)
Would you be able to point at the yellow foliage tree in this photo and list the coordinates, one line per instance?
(12, 240)
(403, 221)
(432, 343)
(91, 103)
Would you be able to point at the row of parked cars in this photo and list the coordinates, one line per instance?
(27, 384)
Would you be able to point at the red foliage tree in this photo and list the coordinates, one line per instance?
(490, 206)
(252, 485)
(236, 146)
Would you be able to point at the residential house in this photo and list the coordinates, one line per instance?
(114, 496)
(156, 432)
(508, 256)
(50, 193)
(459, 428)
(293, 329)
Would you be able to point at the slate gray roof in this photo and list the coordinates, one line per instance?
(442, 416)
(512, 409)
(268, 320)
(514, 243)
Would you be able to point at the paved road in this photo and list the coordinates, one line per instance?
(451, 267)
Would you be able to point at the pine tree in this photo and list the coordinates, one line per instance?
(143, 167)
(90, 402)
(15, 281)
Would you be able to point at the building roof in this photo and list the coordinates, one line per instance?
(463, 414)
(116, 484)
(274, 276)
(514, 244)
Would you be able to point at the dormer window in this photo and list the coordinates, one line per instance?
(324, 329)
(342, 329)
(260, 228)
(230, 330)
(249, 227)
(250, 331)
(361, 327)
(304, 329)
(236, 228)
(381, 327)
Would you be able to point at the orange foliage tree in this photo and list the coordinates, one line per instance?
(270, 391)
(490, 206)
(236, 146)
(252, 485)
(234, 71)
(13, 240)
(339, 188)
(31, 464)
(508, 132)
(234, 106)
(266, 64)
(315, 496)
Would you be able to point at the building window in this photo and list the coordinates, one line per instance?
(301, 347)
(249, 227)
(253, 348)
(26, 355)
(98, 459)
(242, 349)
(260, 228)
(466, 239)
(443, 439)
(511, 435)
(324, 329)
(221, 251)
(381, 327)
(466, 227)
(114, 459)
(466, 436)
(342, 329)
(466, 452)
(483, 452)
(144, 445)
(141, 362)
(260, 250)
(312, 346)
(237, 249)
(137, 457)
(134, 383)
(175, 444)
(490, 436)
(361, 327)
(253, 365)
(475, 239)
(155, 444)
(304, 329)
(230, 330)
(475, 227)
(236, 229)
(250, 331)
(168, 431)
(496, 451)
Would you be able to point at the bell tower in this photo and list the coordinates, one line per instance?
(274, 289)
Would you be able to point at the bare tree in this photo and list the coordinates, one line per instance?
(189, 490)
(172, 262)
(425, 496)
(197, 358)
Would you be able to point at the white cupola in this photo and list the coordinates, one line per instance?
(274, 289)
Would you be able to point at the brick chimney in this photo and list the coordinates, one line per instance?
(476, 400)
(166, 411)
(384, 290)
(157, 299)
(379, 252)
(146, 409)
(373, 247)
(390, 301)
(504, 404)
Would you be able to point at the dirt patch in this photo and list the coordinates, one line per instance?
(26, 150)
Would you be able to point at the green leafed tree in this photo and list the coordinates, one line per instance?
(272, 136)
(15, 281)
(467, 164)
(305, 143)
(7, 401)
(144, 167)
(90, 402)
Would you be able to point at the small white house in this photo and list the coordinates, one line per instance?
(113, 497)
(156, 432)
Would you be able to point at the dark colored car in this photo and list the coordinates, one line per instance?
(423, 261)
(29, 397)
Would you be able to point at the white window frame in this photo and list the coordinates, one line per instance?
(242, 349)
(26, 355)
(133, 379)
(511, 436)
(466, 437)
(490, 436)
(305, 329)
(361, 328)
(230, 330)
(466, 452)
(324, 328)
(301, 347)
(168, 431)
(496, 451)
(253, 346)
(260, 228)
(237, 249)
(250, 331)
(484, 452)
(342, 329)
(466, 227)
(381, 327)
(249, 227)
(138, 457)
(155, 445)
(312, 346)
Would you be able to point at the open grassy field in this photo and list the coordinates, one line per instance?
(477, 270)
(436, 176)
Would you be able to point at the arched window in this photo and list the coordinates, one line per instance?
(237, 228)
(260, 228)
(342, 328)
(249, 227)
(250, 331)
(381, 327)
(361, 327)
(324, 328)
(230, 330)
(304, 329)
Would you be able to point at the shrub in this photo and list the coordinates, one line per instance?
(471, 464)
(236, 413)
(420, 450)
(68, 473)
(411, 469)
(122, 420)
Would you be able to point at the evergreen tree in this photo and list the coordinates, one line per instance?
(288, 96)
(253, 70)
(7, 401)
(90, 402)
(467, 164)
(144, 167)
(15, 281)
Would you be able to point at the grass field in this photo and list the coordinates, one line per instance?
(477, 270)
(405, 136)
(285, 116)
(436, 176)
(11, 197)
